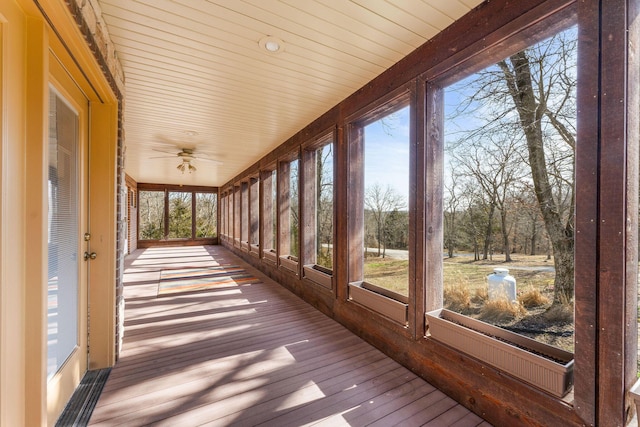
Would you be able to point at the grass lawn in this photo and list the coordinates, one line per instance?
(473, 274)
(388, 273)
(393, 274)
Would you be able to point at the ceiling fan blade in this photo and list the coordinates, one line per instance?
(207, 160)
(165, 151)
(162, 157)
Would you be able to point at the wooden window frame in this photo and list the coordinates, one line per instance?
(606, 250)
(166, 189)
(244, 216)
(254, 215)
(475, 58)
(392, 306)
(308, 203)
(223, 214)
(287, 261)
(236, 215)
(268, 222)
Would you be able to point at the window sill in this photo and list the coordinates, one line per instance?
(270, 256)
(378, 300)
(318, 274)
(290, 263)
(254, 250)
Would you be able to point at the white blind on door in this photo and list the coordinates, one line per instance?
(62, 284)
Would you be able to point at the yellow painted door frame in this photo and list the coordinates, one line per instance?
(43, 34)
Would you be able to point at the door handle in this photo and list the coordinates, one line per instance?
(91, 255)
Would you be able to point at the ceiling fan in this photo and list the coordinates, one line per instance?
(186, 156)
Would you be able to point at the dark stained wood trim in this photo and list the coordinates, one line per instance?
(130, 182)
(354, 203)
(414, 321)
(606, 240)
(355, 124)
(244, 212)
(166, 212)
(612, 250)
(308, 192)
(417, 310)
(142, 244)
(142, 186)
(307, 209)
(488, 22)
(340, 209)
(219, 215)
(254, 210)
(633, 191)
(284, 199)
(194, 203)
(516, 35)
(587, 189)
(266, 206)
(237, 215)
(433, 227)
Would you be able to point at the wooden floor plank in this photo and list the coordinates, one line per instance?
(250, 354)
(469, 420)
(400, 411)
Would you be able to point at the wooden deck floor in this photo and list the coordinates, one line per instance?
(250, 355)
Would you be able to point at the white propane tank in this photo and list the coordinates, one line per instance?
(501, 285)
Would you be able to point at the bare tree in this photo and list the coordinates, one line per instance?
(324, 205)
(532, 94)
(380, 202)
(451, 204)
(493, 163)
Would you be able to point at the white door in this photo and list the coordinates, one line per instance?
(67, 222)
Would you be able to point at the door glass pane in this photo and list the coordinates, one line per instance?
(179, 215)
(62, 286)
(151, 213)
(206, 214)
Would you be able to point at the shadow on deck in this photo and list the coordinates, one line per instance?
(248, 352)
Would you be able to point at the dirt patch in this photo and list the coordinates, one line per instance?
(541, 323)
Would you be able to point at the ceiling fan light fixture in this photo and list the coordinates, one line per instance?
(186, 166)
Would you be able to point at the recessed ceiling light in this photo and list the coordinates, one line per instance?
(271, 44)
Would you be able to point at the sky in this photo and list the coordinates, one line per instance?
(387, 153)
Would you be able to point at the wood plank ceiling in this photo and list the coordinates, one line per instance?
(198, 75)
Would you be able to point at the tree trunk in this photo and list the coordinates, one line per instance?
(533, 239)
(488, 232)
(530, 112)
(505, 236)
(379, 237)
